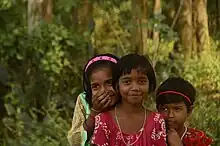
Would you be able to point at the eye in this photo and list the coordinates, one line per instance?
(164, 109)
(94, 86)
(177, 109)
(126, 82)
(109, 82)
(142, 82)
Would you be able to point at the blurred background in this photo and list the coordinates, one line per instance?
(45, 43)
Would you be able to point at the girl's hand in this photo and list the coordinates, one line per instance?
(173, 138)
(101, 101)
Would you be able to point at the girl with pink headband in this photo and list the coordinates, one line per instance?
(99, 96)
(174, 99)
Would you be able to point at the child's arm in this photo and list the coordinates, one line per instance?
(173, 138)
(89, 124)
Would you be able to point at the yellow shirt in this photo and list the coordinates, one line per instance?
(77, 136)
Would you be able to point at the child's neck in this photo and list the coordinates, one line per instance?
(131, 108)
(181, 131)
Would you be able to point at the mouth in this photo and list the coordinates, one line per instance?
(135, 94)
(171, 124)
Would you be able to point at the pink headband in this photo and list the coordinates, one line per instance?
(107, 58)
(178, 93)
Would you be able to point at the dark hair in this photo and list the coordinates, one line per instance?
(185, 92)
(89, 68)
(134, 61)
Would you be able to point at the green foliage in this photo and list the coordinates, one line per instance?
(206, 117)
(46, 68)
(28, 130)
(204, 74)
(5, 4)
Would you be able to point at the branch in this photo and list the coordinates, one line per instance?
(177, 14)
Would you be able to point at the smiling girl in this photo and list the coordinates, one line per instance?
(99, 96)
(129, 123)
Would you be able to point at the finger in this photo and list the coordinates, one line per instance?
(103, 103)
(107, 104)
(104, 100)
(95, 102)
(96, 96)
(103, 96)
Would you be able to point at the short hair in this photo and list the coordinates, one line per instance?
(174, 90)
(134, 61)
(90, 67)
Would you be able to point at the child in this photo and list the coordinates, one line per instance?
(129, 123)
(98, 96)
(174, 99)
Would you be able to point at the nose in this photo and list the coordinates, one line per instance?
(135, 86)
(102, 89)
(170, 114)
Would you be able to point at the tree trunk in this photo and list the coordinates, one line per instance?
(185, 28)
(83, 16)
(47, 11)
(136, 41)
(34, 11)
(84, 23)
(217, 15)
(156, 11)
(144, 29)
(202, 30)
(139, 29)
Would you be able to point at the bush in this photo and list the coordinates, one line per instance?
(25, 130)
(204, 73)
(206, 117)
(46, 78)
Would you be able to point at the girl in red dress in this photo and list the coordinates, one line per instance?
(129, 123)
(175, 98)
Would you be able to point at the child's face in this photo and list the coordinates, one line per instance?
(175, 114)
(133, 87)
(101, 81)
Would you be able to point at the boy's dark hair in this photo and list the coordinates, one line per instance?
(89, 69)
(134, 61)
(180, 90)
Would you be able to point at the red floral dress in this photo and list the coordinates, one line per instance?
(194, 137)
(107, 133)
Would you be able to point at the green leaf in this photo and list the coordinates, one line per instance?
(70, 43)
(19, 56)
